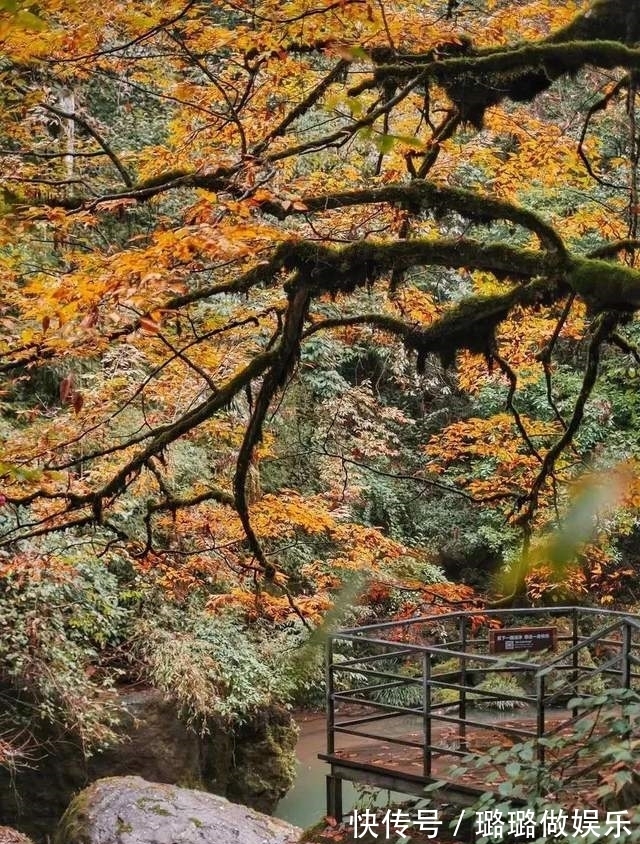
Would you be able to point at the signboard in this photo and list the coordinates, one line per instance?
(511, 639)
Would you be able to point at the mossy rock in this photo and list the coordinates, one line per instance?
(262, 757)
(130, 810)
(8, 835)
(156, 745)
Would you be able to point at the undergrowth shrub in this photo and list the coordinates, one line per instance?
(499, 684)
(54, 624)
(211, 666)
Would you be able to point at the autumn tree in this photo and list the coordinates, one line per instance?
(195, 194)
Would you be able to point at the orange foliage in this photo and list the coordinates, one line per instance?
(165, 270)
(496, 440)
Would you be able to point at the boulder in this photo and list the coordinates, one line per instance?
(12, 836)
(131, 810)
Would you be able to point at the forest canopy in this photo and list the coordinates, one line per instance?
(293, 291)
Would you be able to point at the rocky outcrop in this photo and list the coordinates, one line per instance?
(130, 810)
(253, 764)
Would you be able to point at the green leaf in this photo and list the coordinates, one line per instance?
(622, 778)
(385, 143)
(27, 20)
(357, 53)
(355, 105)
(526, 753)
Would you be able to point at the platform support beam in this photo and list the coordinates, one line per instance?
(426, 714)
(575, 638)
(334, 797)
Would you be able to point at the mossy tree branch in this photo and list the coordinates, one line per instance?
(605, 326)
(421, 195)
(308, 270)
(286, 356)
(602, 36)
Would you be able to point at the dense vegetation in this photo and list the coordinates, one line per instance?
(309, 312)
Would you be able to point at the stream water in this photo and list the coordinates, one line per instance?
(304, 804)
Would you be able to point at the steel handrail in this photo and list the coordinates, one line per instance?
(432, 650)
(595, 637)
(484, 612)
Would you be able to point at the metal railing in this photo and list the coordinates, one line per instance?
(426, 668)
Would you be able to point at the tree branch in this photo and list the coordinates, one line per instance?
(86, 125)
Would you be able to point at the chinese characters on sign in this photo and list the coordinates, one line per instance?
(522, 639)
(578, 824)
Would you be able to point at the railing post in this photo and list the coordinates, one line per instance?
(334, 784)
(328, 667)
(574, 659)
(426, 713)
(540, 693)
(626, 656)
(462, 708)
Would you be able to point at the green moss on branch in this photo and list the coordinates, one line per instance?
(605, 284)
(602, 284)
(469, 324)
(336, 271)
(472, 323)
(477, 81)
(420, 195)
(601, 36)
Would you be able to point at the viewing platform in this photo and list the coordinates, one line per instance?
(416, 702)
